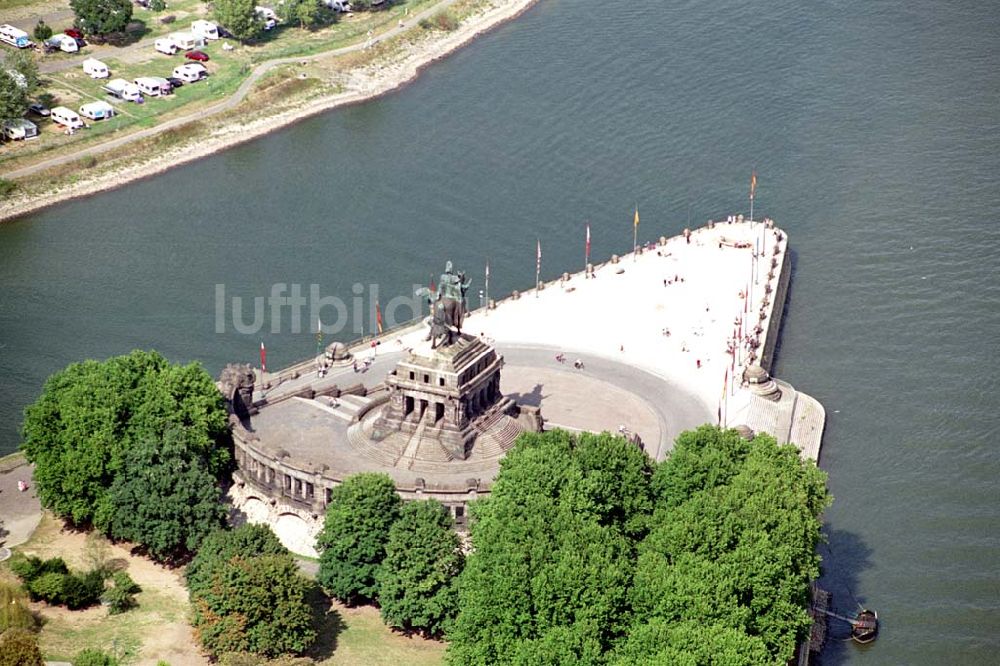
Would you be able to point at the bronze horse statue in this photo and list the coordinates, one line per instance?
(448, 307)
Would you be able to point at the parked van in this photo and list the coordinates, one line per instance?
(341, 6)
(204, 29)
(66, 117)
(19, 128)
(191, 72)
(14, 36)
(122, 89)
(165, 45)
(97, 110)
(267, 15)
(184, 40)
(96, 69)
(64, 43)
(153, 86)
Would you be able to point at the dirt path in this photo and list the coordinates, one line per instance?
(19, 511)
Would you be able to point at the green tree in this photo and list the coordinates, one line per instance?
(157, 6)
(355, 532)
(690, 644)
(101, 17)
(245, 601)
(174, 500)
(417, 579)
(240, 18)
(120, 597)
(307, 13)
(222, 546)
(13, 97)
(90, 415)
(19, 647)
(42, 31)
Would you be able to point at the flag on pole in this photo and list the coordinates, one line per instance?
(319, 336)
(433, 288)
(378, 317)
(263, 357)
(487, 287)
(587, 255)
(538, 265)
(635, 223)
(753, 183)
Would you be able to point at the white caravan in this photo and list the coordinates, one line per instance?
(95, 69)
(14, 36)
(97, 110)
(165, 45)
(204, 29)
(64, 43)
(191, 72)
(19, 128)
(184, 40)
(122, 89)
(66, 117)
(153, 86)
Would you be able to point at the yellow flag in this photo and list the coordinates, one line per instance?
(635, 225)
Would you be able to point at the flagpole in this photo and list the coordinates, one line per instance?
(635, 233)
(538, 266)
(487, 287)
(586, 254)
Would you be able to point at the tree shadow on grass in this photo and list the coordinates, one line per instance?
(327, 622)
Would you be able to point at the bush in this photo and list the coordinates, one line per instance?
(42, 31)
(157, 5)
(19, 648)
(169, 18)
(48, 587)
(119, 598)
(92, 657)
(28, 568)
(7, 187)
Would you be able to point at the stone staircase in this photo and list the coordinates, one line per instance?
(386, 452)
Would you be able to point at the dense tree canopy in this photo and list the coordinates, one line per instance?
(249, 599)
(102, 17)
(173, 500)
(588, 553)
(239, 17)
(417, 580)
(19, 647)
(13, 97)
(355, 532)
(98, 423)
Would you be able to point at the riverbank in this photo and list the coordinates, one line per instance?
(322, 82)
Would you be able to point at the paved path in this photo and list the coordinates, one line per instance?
(19, 511)
(226, 105)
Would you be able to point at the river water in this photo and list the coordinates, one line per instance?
(874, 128)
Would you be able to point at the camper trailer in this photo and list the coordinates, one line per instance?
(342, 6)
(184, 40)
(67, 118)
(64, 43)
(204, 29)
(267, 15)
(95, 69)
(154, 86)
(165, 45)
(191, 72)
(122, 89)
(97, 110)
(14, 36)
(19, 129)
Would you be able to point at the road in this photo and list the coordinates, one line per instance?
(226, 105)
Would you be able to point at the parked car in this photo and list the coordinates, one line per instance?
(174, 82)
(39, 110)
(75, 34)
(200, 56)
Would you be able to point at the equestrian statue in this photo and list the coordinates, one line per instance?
(448, 306)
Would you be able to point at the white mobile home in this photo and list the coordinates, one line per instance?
(66, 117)
(14, 36)
(97, 110)
(165, 45)
(204, 29)
(154, 86)
(19, 128)
(184, 40)
(95, 69)
(122, 89)
(64, 43)
(191, 72)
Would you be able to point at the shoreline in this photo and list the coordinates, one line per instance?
(365, 82)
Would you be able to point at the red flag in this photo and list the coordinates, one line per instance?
(433, 288)
(263, 357)
(378, 317)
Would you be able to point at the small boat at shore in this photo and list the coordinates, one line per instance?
(864, 628)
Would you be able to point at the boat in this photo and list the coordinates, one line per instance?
(864, 628)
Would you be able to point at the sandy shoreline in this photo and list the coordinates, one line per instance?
(364, 83)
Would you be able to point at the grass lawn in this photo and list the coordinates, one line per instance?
(158, 629)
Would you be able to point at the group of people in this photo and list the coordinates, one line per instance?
(578, 364)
